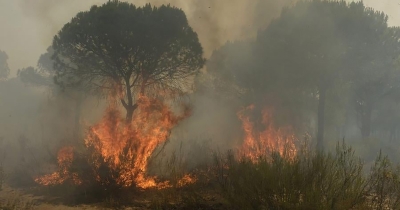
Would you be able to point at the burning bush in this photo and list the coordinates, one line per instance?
(264, 137)
(116, 151)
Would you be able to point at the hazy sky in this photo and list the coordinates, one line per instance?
(27, 26)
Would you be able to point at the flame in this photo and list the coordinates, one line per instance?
(127, 147)
(263, 141)
(65, 157)
(119, 151)
(186, 180)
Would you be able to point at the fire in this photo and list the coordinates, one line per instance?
(186, 180)
(267, 138)
(127, 147)
(65, 157)
(119, 151)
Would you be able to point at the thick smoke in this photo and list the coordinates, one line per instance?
(48, 122)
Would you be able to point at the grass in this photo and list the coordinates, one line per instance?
(16, 203)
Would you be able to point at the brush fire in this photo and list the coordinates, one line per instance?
(123, 148)
(262, 140)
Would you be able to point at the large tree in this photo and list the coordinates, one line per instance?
(373, 58)
(4, 69)
(141, 50)
(302, 50)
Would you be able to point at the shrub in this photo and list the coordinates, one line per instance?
(384, 184)
(309, 181)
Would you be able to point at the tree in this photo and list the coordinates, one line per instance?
(30, 75)
(43, 75)
(4, 69)
(140, 50)
(304, 48)
(374, 59)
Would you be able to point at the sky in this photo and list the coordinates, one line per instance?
(28, 26)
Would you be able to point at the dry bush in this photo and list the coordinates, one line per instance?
(384, 184)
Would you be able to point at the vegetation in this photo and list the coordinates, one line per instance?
(318, 58)
(4, 69)
(322, 67)
(138, 50)
(311, 180)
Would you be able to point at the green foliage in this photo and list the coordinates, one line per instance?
(310, 181)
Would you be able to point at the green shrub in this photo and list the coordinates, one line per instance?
(309, 181)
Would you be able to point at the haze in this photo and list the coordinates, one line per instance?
(27, 26)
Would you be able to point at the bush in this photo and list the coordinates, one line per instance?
(384, 184)
(309, 181)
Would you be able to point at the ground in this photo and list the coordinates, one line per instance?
(21, 199)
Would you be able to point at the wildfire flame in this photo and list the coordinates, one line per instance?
(267, 138)
(123, 149)
(65, 157)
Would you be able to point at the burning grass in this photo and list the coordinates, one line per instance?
(264, 137)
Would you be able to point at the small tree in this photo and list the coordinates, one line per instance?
(4, 69)
(140, 50)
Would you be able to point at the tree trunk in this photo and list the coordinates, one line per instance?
(130, 107)
(366, 121)
(129, 112)
(321, 118)
(77, 117)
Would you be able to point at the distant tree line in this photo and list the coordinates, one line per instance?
(333, 59)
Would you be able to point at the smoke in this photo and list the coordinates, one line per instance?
(28, 28)
(31, 25)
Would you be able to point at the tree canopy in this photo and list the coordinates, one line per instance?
(141, 50)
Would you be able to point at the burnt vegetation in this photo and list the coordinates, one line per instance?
(312, 100)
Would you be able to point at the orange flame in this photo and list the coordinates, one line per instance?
(123, 149)
(65, 157)
(127, 147)
(186, 180)
(262, 142)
